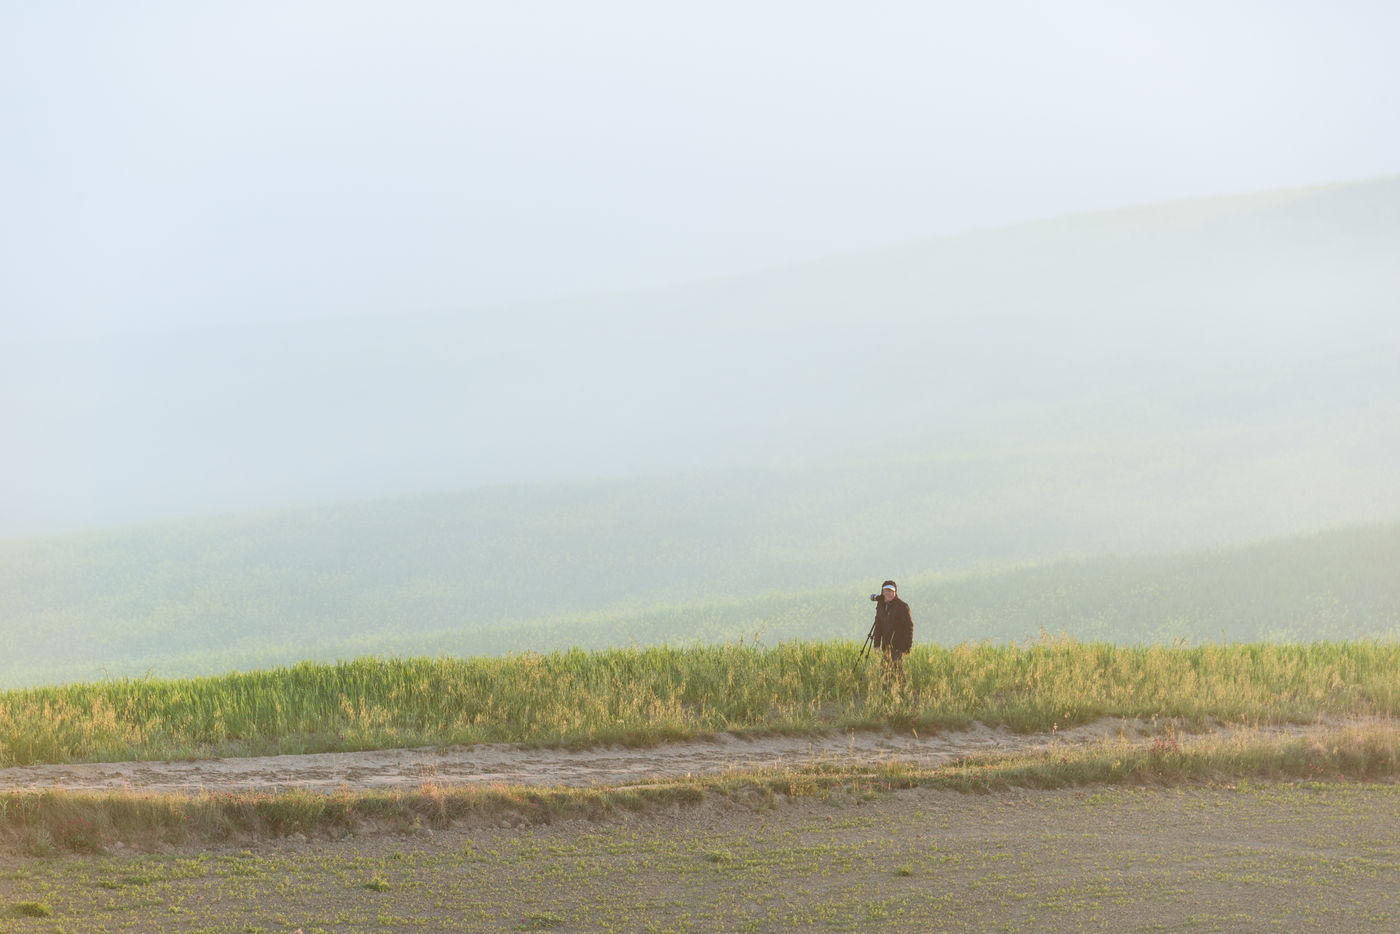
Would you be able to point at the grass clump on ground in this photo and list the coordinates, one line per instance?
(33, 910)
(645, 696)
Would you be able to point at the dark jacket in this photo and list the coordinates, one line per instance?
(894, 627)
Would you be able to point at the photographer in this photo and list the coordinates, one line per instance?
(893, 632)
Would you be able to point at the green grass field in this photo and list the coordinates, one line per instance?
(643, 696)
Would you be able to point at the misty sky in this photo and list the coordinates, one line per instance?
(193, 163)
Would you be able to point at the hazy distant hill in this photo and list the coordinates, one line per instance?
(1224, 312)
(1168, 378)
(211, 598)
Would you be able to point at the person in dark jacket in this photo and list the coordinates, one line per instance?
(894, 631)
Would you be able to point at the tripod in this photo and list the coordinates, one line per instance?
(865, 648)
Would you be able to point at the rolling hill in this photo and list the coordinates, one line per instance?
(707, 460)
(209, 597)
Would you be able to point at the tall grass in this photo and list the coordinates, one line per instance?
(643, 696)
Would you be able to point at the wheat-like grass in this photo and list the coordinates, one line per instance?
(644, 696)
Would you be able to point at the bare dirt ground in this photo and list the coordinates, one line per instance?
(603, 766)
(1235, 857)
(1232, 858)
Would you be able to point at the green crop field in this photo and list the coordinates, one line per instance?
(643, 696)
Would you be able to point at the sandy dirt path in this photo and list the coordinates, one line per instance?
(602, 766)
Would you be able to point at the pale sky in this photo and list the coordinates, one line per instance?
(179, 163)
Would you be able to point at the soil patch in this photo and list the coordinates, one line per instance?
(1258, 858)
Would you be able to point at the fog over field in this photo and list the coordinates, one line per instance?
(1173, 378)
(1272, 314)
(336, 329)
(257, 256)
